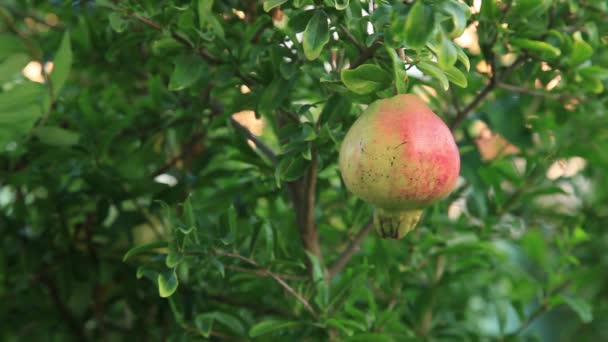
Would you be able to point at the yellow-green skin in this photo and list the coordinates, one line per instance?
(400, 157)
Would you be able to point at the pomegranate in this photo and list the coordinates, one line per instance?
(400, 157)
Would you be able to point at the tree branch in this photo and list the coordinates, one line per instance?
(276, 277)
(494, 81)
(264, 149)
(366, 54)
(68, 316)
(350, 251)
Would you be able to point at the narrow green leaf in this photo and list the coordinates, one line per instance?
(341, 5)
(188, 70)
(141, 249)
(57, 136)
(590, 71)
(399, 72)
(204, 12)
(376, 337)
(316, 35)
(269, 237)
(232, 222)
(431, 69)
(219, 266)
(11, 44)
(189, 217)
(269, 326)
(17, 122)
(459, 12)
(419, 25)
(365, 79)
(204, 323)
(582, 308)
(537, 46)
(270, 4)
(456, 76)
(117, 22)
(167, 283)
(12, 66)
(174, 258)
(62, 64)
(230, 322)
(581, 51)
(463, 58)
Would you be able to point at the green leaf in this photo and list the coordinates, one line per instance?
(17, 122)
(141, 249)
(459, 12)
(270, 4)
(537, 46)
(269, 326)
(341, 5)
(11, 44)
(456, 76)
(167, 283)
(188, 69)
(204, 323)
(62, 65)
(174, 258)
(190, 218)
(581, 51)
(232, 222)
(13, 66)
(419, 25)
(431, 69)
(582, 308)
(204, 12)
(22, 94)
(590, 71)
(57, 136)
(399, 72)
(269, 237)
(316, 35)
(230, 322)
(117, 22)
(376, 337)
(365, 79)
(318, 277)
(592, 83)
(463, 58)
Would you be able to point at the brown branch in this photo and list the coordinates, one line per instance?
(366, 54)
(494, 81)
(259, 144)
(186, 150)
(533, 92)
(68, 316)
(350, 251)
(206, 55)
(276, 277)
(16, 12)
(540, 310)
(310, 233)
(352, 38)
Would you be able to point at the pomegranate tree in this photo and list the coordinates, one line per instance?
(400, 157)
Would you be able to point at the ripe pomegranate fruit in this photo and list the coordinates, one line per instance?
(400, 157)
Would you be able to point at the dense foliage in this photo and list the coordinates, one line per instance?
(135, 205)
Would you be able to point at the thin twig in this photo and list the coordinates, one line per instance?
(350, 251)
(13, 11)
(277, 278)
(533, 92)
(540, 310)
(259, 144)
(352, 38)
(495, 80)
(366, 54)
(310, 230)
(68, 316)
